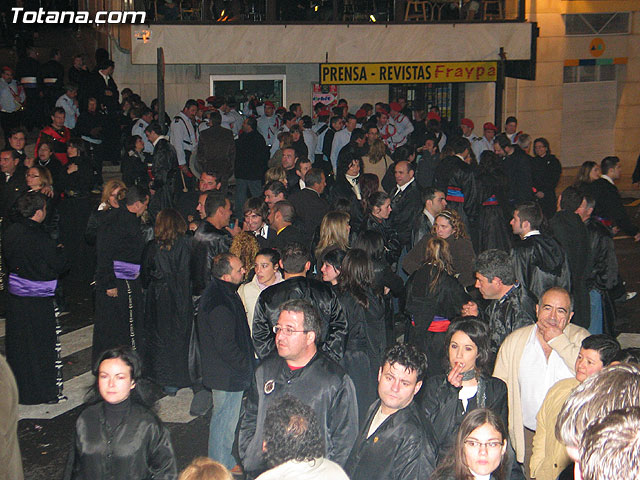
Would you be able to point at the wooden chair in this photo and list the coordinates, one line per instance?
(419, 10)
(190, 9)
(486, 15)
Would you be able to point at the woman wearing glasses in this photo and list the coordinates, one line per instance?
(481, 451)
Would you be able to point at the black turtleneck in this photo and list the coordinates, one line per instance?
(114, 413)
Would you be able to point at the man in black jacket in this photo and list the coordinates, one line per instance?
(517, 166)
(397, 442)
(164, 169)
(511, 305)
(226, 353)
(609, 205)
(434, 202)
(12, 181)
(281, 217)
(301, 370)
(295, 263)
(252, 156)
(539, 260)
(568, 229)
(309, 205)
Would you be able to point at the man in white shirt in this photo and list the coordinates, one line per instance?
(183, 134)
(69, 102)
(467, 126)
(485, 142)
(403, 124)
(532, 359)
(396, 441)
(268, 124)
(341, 138)
(146, 116)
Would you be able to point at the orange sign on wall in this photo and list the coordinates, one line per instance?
(596, 47)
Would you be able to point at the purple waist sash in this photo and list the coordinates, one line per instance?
(22, 287)
(125, 270)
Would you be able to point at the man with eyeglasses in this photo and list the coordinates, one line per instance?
(303, 371)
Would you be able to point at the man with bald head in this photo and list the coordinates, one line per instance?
(406, 202)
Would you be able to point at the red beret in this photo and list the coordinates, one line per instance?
(269, 104)
(324, 113)
(7, 69)
(433, 116)
(211, 99)
(490, 126)
(281, 109)
(395, 106)
(361, 113)
(467, 122)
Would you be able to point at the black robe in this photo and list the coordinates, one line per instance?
(32, 344)
(493, 224)
(365, 345)
(423, 304)
(165, 174)
(545, 175)
(118, 320)
(168, 312)
(572, 234)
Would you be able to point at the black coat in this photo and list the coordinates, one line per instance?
(286, 236)
(422, 227)
(342, 189)
(455, 178)
(97, 88)
(310, 209)
(208, 242)
(168, 312)
(404, 208)
(568, 229)
(365, 345)
(604, 274)
(515, 310)
(540, 263)
(139, 448)
(517, 166)
(216, 151)
(403, 447)
(545, 175)
(443, 407)
(322, 384)
(609, 205)
(392, 245)
(495, 212)
(225, 340)
(265, 316)
(11, 190)
(252, 156)
(78, 182)
(426, 169)
(165, 163)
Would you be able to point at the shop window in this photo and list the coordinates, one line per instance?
(596, 23)
(242, 87)
(589, 73)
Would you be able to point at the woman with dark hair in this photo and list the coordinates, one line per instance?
(47, 159)
(545, 175)
(378, 220)
(468, 385)
(134, 163)
(76, 180)
(492, 184)
(332, 265)
(481, 451)
(119, 436)
(168, 309)
(266, 273)
(434, 296)
(366, 340)
(347, 187)
(385, 281)
(369, 184)
(302, 151)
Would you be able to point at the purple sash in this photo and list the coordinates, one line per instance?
(22, 287)
(125, 270)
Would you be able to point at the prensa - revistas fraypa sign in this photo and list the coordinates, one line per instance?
(427, 72)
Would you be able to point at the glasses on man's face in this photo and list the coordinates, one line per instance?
(479, 445)
(288, 331)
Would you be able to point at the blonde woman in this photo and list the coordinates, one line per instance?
(377, 161)
(334, 233)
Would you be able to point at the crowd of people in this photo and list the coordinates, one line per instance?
(380, 294)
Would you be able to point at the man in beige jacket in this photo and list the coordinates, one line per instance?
(532, 359)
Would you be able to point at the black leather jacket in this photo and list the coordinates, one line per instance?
(540, 263)
(208, 242)
(605, 268)
(265, 316)
(392, 246)
(322, 384)
(402, 448)
(139, 448)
